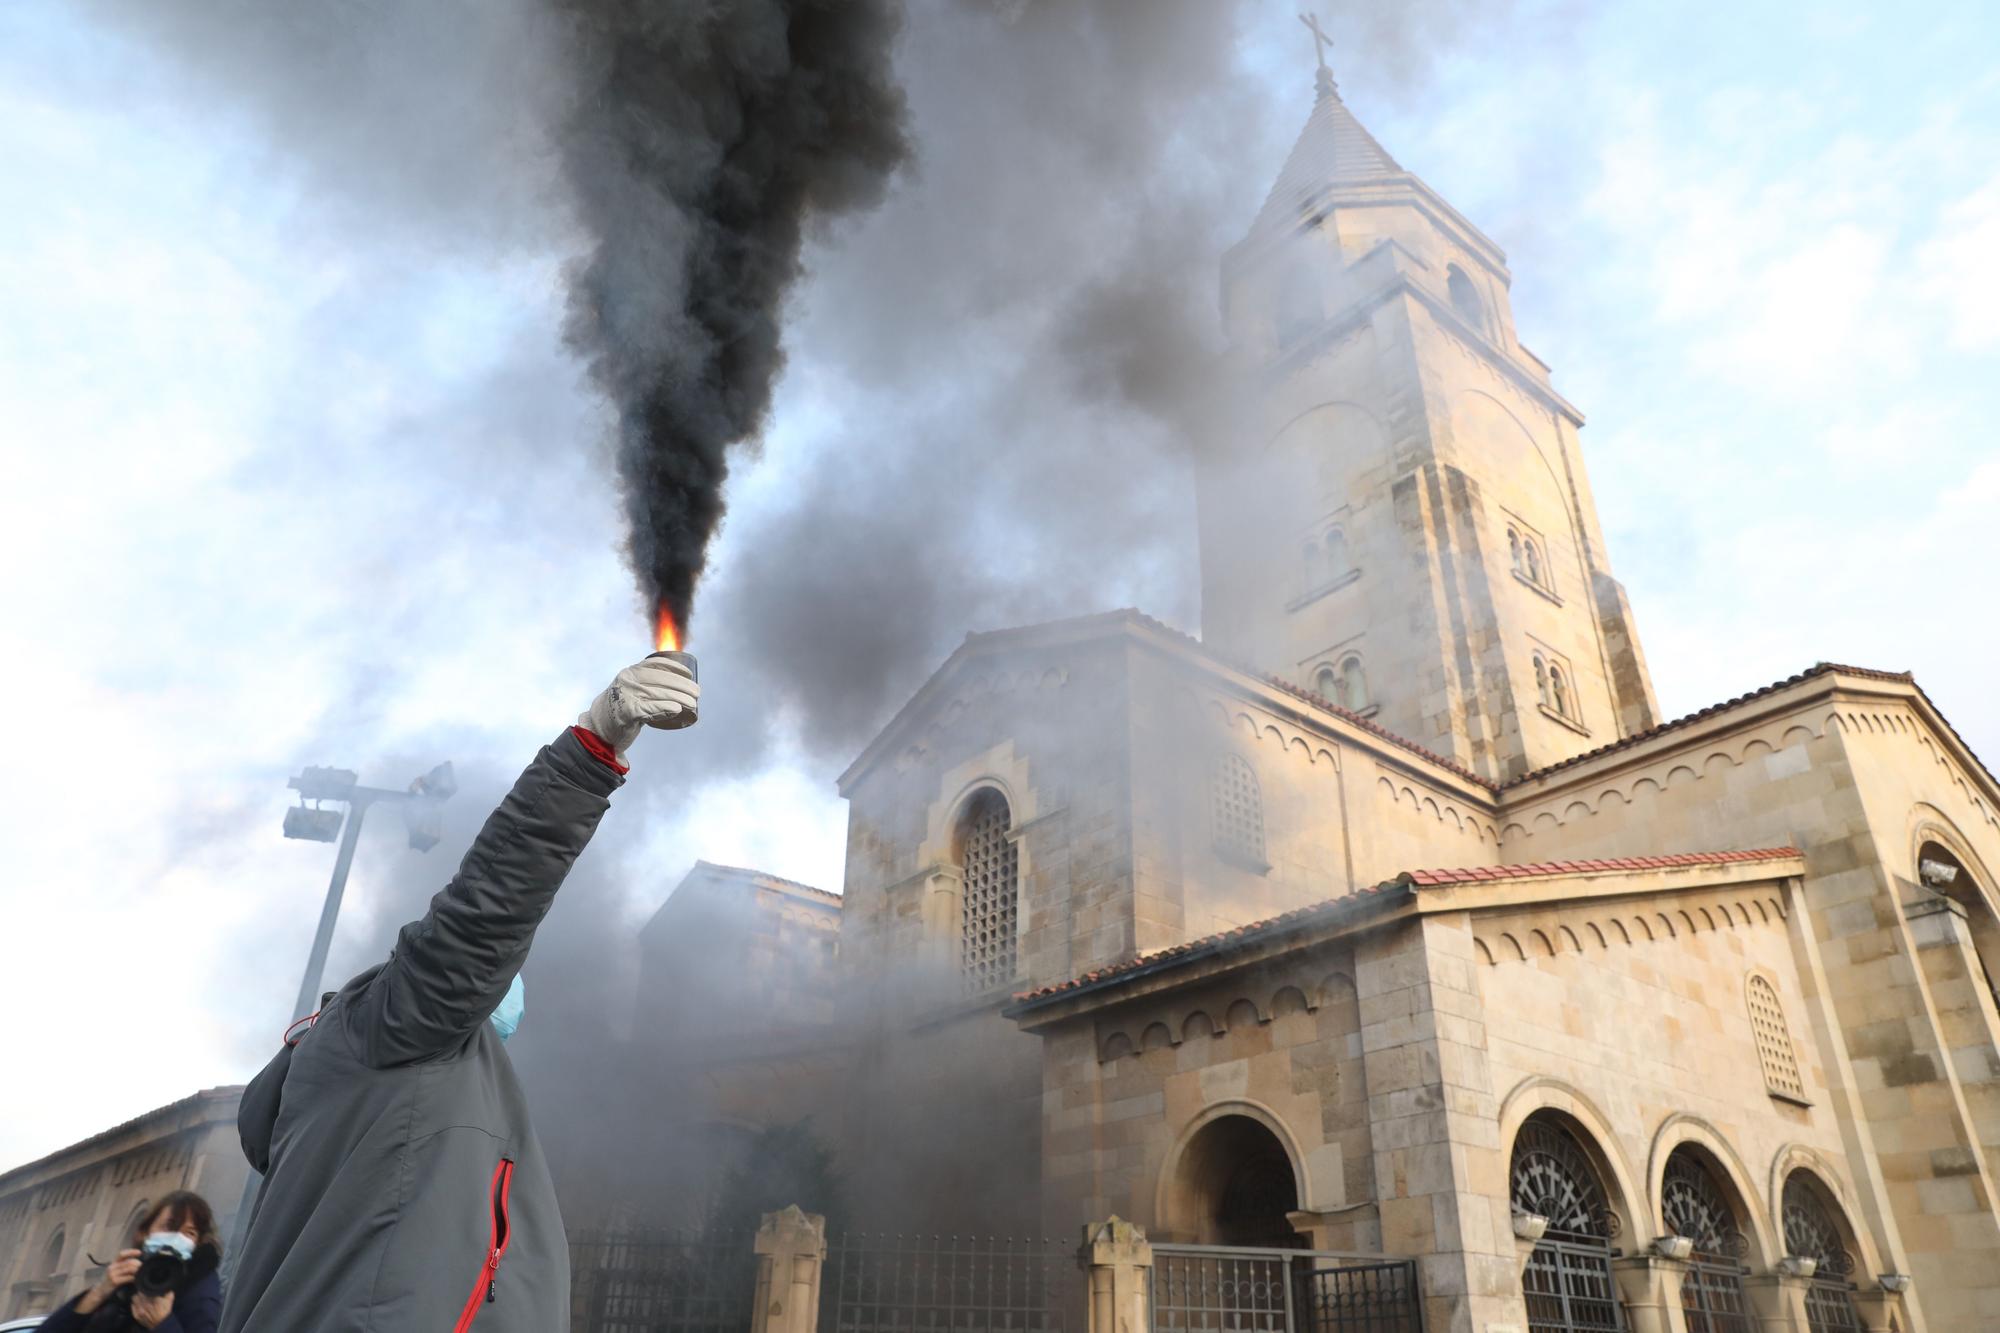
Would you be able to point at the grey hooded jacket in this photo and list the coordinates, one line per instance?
(404, 1188)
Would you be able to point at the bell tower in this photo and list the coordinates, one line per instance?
(1403, 523)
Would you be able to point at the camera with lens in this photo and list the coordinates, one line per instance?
(165, 1261)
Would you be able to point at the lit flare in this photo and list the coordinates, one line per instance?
(666, 634)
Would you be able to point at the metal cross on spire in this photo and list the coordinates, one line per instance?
(1323, 80)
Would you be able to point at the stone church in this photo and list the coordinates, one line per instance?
(1697, 1028)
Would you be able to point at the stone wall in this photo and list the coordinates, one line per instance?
(1631, 1016)
(1855, 771)
(1123, 1095)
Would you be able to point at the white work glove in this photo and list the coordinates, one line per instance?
(655, 687)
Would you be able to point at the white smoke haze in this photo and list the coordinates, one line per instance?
(331, 488)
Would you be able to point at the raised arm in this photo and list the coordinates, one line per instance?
(451, 968)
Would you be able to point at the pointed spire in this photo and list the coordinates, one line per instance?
(1332, 149)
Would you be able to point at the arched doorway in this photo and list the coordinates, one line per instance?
(1694, 1204)
(1237, 1185)
(1815, 1230)
(1567, 1284)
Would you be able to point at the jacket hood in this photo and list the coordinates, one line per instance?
(257, 1113)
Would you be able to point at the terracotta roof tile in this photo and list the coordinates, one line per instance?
(1332, 909)
(1328, 910)
(1489, 874)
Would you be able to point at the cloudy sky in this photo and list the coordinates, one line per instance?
(299, 471)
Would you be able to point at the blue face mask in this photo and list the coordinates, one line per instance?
(508, 1016)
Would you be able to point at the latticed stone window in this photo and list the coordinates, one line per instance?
(1238, 806)
(1774, 1041)
(990, 912)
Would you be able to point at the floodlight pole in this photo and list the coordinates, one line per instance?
(329, 912)
(357, 799)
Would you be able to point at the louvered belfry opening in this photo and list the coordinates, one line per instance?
(990, 912)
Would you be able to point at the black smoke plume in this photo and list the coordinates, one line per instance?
(703, 141)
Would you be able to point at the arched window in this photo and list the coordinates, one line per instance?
(1692, 1204)
(1542, 682)
(1465, 297)
(1238, 806)
(1327, 683)
(1567, 1282)
(1531, 560)
(1514, 550)
(1325, 558)
(1774, 1040)
(1812, 1233)
(1353, 684)
(1335, 548)
(52, 1256)
(990, 906)
(1558, 691)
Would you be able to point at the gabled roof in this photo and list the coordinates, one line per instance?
(1362, 901)
(767, 878)
(734, 880)
(1114, 621)
(209, 1106)
(1333, 909)
(1334, 148)
(1713, 710)
(1111, 622)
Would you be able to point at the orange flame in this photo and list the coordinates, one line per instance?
(666, 634)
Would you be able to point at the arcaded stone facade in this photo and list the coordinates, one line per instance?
(1712, 1016)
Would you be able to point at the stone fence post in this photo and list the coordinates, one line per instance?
(791, 1250)
(1119, 1259)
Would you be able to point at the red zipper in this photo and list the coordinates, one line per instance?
(482, 1290)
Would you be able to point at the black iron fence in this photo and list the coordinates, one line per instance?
(950, 1284)
(678, 1282)
(1369, 1297)
(1235, 1289)
(645, 1281)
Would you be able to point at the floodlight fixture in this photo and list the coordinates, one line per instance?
(325, 784)
(1937, 874)
(313, 824)
(440, 784)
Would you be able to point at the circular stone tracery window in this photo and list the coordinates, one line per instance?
(1810, 1231)
(1553, 1178)
(1692, 1205)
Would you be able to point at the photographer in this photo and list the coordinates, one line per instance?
(165, 1280)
